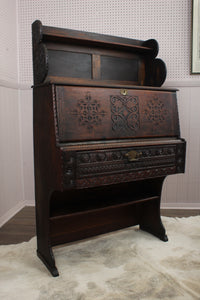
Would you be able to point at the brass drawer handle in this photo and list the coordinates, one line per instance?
(133, 155)
(124, 92)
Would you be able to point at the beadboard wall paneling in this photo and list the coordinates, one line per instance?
(11, 183)
(26, 113)
(183, 190)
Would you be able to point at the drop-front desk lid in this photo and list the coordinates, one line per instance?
(99, 113)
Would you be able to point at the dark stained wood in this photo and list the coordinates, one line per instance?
(84, 113)
(118, 68)
(21, 227)
(96, 67)
(105, 136)
(141, 68)
(75, 65)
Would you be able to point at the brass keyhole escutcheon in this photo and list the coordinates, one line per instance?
(124, 92)
(133, 155)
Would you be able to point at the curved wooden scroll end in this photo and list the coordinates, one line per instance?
(155, 73)
(160, 72)
(37, 31)
(153, 44)
(40, 54)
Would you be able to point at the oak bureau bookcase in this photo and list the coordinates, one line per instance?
(105, 136)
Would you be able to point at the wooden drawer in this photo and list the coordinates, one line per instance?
(110, 166)
(91, 114)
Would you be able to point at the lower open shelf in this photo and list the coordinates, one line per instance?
(75, 215)
(80, 225)
(81, 201)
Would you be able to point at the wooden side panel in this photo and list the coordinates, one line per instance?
(47, 162)
(86, 113)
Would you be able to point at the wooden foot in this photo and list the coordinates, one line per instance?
(160, 233)
(49, 261)
(150, 220)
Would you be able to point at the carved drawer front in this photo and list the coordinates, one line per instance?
(110, 166)
(89, 113)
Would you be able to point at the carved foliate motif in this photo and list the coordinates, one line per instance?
(125, 177)
(125, 113)
(110, 166)
(155, 111)
(108, 161)
(88, 112)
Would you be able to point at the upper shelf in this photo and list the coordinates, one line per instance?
(66, 53)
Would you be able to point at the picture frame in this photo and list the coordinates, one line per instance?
(195, 63)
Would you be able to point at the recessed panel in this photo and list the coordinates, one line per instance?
(69, 64)
(118, 68)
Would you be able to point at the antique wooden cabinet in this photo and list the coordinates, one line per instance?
(105, 136)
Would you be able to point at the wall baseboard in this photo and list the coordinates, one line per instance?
(30, 203)
(180, 206)
(163, 205)
(11, 212)
(15, 85)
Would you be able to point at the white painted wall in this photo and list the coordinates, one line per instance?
(183, 190)
(168, 21)
(11, 179)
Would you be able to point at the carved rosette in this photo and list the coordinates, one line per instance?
(156, 112)
(88, 112)
(125, 113)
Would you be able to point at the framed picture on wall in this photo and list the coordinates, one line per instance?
(195, 37)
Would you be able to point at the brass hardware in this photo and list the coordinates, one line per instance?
(124, 92)
(133, 155)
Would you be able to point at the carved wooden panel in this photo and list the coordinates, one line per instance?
(127, 177)
(90, 113)
(156, 112)
(109, 166)
(116, 160)
(125, 113)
